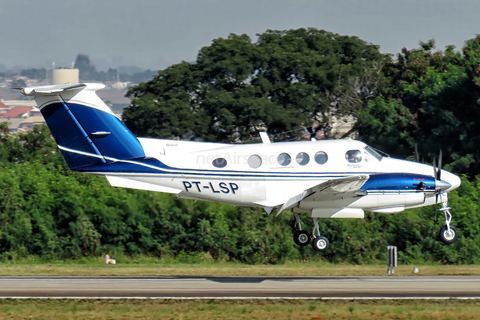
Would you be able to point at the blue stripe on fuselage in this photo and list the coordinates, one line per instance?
(377, 181)
(398, 181)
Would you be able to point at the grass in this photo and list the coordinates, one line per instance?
(155, 267)
(238, 309)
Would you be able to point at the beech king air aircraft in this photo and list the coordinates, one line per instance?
(325, 179)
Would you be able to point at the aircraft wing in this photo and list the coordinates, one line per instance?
(328, 190)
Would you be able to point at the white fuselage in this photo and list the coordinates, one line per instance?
(326, 178)
(252, 175)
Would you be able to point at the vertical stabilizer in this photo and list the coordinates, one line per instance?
(84, 127)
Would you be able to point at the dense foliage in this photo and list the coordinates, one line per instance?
(49, 211)
(280, 83)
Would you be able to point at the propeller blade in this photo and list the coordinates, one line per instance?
(416, 152)
(434, 168)
(439, 170)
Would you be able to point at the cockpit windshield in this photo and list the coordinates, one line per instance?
(373, 152)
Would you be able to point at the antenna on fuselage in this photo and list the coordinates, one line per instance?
(264, 137)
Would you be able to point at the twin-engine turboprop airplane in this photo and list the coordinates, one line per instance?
(325, 179)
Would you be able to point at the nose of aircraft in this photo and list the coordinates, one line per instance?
(450, 179)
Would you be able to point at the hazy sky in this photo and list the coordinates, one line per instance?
(157, 33)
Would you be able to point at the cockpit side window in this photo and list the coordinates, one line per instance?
(353, 156)
(374, 153)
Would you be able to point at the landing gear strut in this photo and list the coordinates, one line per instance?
(319, 243)
(448, 234)
(301, 237)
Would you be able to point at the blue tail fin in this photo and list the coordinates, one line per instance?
(85, 129)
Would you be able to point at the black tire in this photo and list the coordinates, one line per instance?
(301, 238)
(448, 238)
(320, 244)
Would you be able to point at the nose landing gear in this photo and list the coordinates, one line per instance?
(448, 234)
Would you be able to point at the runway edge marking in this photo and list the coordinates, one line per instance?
(245, 298)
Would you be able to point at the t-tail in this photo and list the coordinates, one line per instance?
(84, 127)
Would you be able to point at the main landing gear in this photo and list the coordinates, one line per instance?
(448, 234)
(302, 237)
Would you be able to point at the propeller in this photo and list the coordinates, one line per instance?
(436, 191)
(416, 152)
(439, 184)
(439, 171)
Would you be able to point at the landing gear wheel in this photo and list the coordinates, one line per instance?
(320, 244)
(301, 238)
(448, 237)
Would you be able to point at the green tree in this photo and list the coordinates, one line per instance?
(432, 98)
(238, 87)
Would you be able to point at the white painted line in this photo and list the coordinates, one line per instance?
(247, 298)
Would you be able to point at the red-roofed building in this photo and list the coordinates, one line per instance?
(16, 112)
(3, 108)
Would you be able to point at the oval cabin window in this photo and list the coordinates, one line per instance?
(302, 158)
(254, 161)
(219, 163)
(284, 159)
(321, 157)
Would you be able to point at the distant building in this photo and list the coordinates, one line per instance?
(62, 76)
(17, 112)
(28, 123)
(21, 118)
(19, 103)
(3, 108)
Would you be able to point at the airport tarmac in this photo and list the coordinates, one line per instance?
(242, 287)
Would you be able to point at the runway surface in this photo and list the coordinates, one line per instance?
(230, 287)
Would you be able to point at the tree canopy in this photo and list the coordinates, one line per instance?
(282, 82)
(430, 98)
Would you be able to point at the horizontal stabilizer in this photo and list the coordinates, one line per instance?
(44, 90)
